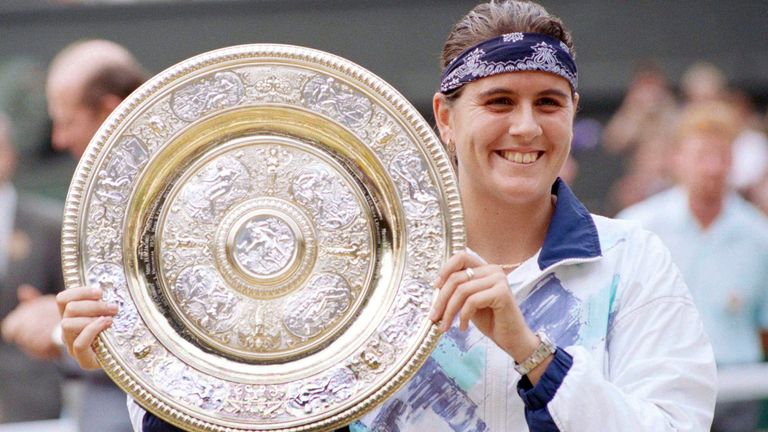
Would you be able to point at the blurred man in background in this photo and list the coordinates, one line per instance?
(719, 242)
(86, 82)
(30, 276)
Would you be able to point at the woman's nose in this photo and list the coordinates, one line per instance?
(523, 124)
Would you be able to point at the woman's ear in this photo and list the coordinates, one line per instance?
(576, 98)
(442, 110)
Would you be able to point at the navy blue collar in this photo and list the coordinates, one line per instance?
(572, 232)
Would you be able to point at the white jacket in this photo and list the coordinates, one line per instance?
(606, 292)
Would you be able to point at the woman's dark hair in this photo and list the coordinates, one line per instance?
(495, 18)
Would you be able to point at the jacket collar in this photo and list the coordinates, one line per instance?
(572, 233)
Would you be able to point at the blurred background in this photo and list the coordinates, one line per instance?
(639, 63)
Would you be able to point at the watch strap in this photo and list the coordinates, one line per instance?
(544, 350)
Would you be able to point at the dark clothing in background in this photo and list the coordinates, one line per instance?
(30, 389)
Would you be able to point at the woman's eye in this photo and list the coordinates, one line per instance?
(549, 102)
(500, 101)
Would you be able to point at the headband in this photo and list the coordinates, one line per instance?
(512, 52)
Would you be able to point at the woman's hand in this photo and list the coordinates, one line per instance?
(84, 316)
(483, 296)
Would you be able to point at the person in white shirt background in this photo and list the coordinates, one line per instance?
(720, 243)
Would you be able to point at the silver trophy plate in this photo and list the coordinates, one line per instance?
(269, 220)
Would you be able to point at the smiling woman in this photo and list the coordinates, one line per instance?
(592, 306)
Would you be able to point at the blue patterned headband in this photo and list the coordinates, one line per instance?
(512, 52)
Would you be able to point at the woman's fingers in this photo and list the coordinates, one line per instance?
(89, 308)
(470, 290)
(72, 327)
(446, 289)
(471, 279)
(76, 294)
(84, 316)
(483, 299)
(81, 347)
(445, 292)
(451, 274)
(463, 293)
(457, 262)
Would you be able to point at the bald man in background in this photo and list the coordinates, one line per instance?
(86, 81)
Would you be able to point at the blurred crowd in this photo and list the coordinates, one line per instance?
(694, 170)
(644, 127)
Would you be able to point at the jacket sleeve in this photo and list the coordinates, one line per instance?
(659, 372)
(135, 413)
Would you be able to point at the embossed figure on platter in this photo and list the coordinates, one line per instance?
(325, 196)
(115, 179)
(183, 386)
(327, 296)
(214, 189)
(267, 402)
(323, 393)
(265, 245)
(205, 301)
(260, 329)
(372, 360)
(273, 85)
(411, 175)
(223, 90)
(331, 97)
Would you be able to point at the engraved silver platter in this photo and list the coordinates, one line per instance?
(269, 219)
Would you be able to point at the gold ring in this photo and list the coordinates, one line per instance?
(470, 273)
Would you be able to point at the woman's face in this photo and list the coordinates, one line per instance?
(512, 133)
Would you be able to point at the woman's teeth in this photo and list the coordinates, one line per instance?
(517, 157)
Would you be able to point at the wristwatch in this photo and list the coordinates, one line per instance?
(544, 350)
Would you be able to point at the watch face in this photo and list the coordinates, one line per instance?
(269, 219)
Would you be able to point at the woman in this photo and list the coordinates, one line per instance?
(590, 312)
(630, 353)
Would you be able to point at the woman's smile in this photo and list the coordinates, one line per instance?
(519, 157)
